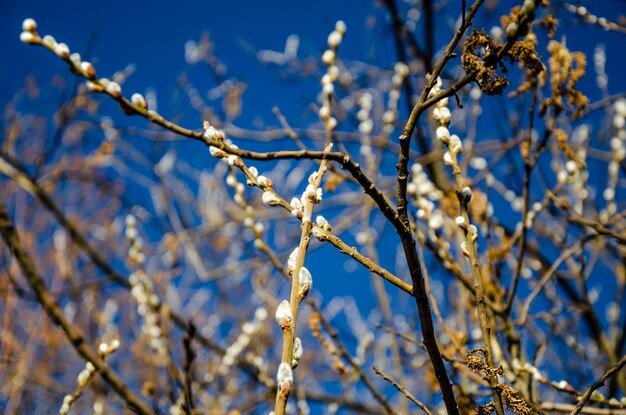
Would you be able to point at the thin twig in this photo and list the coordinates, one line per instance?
(600, 382)
(402, 389)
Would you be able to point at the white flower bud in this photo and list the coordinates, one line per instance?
(443, 102)
(447, 159)
(29, 25)
(62, 50)
(75, 58)
(455, 144)
(511, 29)
(284, 377)
(259, 228)
(114, 89)
(131, 221)
(231, 181)
(460, 222)
(232, 160)
(49, 41)
(464, 249)
(291, 262)
(401, 69)
(444, 115)
(328, 57)
(269, 198)
(115, 344)
(298, 351)
(331, 123)
(333, 72)
(328, 89)
(324, 112)
(139, 100)
(571, 167)
(334, 39)
(528, 8)
(28, 37)
(87, 69)
(322, 222)
(474, 232)
(216, 152)
(318, 195)
(283, 315)
(411, 189)
(389, 117)
(264, 181)
(341, 27)
(210, 132)
(295, 204)
(306, 280)
(443, 134)
(83, 377)
(366, 126)
(260, 314)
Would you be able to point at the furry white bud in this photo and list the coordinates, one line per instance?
(283, 315)
(87, 69)
(511, 29)
(443, 134)
(324, 112)
(401, 69)
(341, 27)
(334, 39)
(291, 262)
(50, 42)
(114, 89)
(328, 88)
(216, 152)
(62, 50)
(284, 377)
(233, 160)
(139, 100)
(269, 198)
(444, 115)
(296, 204)
(528, 8)
(75, 59)
(322, 222)
(298, 351)
(464, 249)
(29, 25)
(328, 57)
(461, 223)
(28, 37)
(455, 144)
(306, 281)
(264, 181)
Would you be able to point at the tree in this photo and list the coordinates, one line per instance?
(473, 183)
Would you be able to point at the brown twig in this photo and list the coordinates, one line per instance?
(600, 382)
(402, 389)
